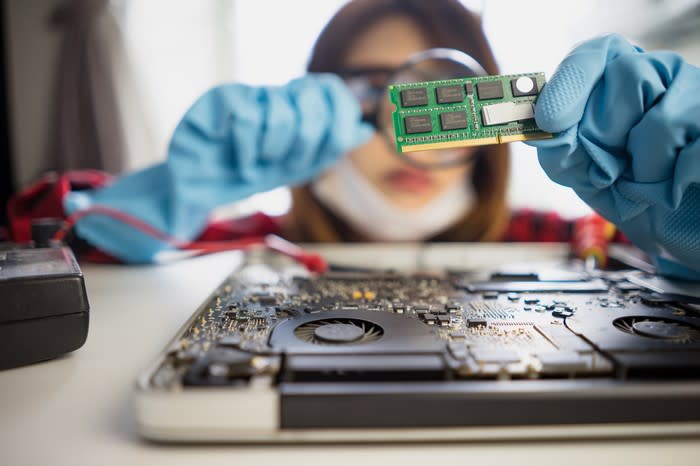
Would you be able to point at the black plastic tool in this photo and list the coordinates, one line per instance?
(44, 310)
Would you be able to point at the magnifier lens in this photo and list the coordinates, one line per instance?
(441, 65)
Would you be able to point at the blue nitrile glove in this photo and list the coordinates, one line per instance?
(235, 141)
(628, 124)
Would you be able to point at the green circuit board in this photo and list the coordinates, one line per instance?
(464, 112)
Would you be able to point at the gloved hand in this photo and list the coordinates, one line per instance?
(235, 141)
(628, 124)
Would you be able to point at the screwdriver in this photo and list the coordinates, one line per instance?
(590, 239)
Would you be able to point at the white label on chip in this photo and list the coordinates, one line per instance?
(505, 112)
(524, 84)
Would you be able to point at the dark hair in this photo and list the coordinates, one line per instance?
(445, 23)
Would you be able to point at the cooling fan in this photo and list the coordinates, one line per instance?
(338, 332)
(354, 332)
(658, 328)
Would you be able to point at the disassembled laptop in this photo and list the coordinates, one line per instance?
(277, 353)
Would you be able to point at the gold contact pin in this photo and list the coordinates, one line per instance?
(476, 142)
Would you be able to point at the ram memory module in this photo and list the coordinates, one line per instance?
(465, 112)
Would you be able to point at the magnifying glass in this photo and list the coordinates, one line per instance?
(370, 87)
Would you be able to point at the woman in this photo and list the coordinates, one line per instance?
(625, 123)
(370, 37)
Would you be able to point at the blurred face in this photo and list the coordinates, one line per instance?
(389, 43)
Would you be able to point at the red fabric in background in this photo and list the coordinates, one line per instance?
(528, 225)
(44, 199)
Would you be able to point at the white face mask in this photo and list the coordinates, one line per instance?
(345, 191)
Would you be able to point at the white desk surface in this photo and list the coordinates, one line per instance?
(78, 409)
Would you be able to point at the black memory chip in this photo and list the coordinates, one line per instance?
(418, 124)
(489, 90)
(469, 88)
(453, 120)
(414, 97)
(449, 94)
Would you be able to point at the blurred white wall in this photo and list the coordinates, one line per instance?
(196, 45)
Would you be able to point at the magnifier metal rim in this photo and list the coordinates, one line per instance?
(454, 55)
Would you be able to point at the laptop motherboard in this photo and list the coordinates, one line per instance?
(391, 349)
